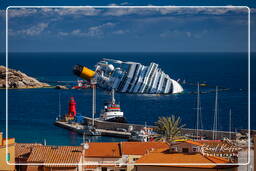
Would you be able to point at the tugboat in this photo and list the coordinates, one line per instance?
(112, 111)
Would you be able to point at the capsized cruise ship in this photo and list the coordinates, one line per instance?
(130, 77)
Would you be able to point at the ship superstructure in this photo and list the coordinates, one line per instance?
(112, 111)
(131, 77)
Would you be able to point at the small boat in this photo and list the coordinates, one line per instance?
(90, 130)
(81, 85)
(112, 111)
(144, 135)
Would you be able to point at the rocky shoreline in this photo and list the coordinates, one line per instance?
(18, 80)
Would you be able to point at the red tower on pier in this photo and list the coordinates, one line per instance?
(72, 107)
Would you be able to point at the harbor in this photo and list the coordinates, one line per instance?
(112, 122)
(122, 87)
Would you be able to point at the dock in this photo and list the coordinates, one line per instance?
(78, 128)
(111, 129)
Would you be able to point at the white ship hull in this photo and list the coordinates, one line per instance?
(132, 77)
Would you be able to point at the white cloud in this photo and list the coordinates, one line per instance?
(120, 32)
(2, 14)
(94, 31)
(253, 10)
(128, 11)
(63, 34)
(90, 11)
(32, 31)
(175, 10)
(14, 13)
(188, 34)
(124, 3)
(76, 12)
(112, 4)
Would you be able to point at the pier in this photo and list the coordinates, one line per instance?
(78, 128)
(112, 129)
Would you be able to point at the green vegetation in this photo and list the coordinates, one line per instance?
(169, 129)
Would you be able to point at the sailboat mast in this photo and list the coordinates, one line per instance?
(230, 124)
(197, 110)
(215, 122)
(59, 106)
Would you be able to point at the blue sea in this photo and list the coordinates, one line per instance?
(32, 112)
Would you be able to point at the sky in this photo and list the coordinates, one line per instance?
(113, 29)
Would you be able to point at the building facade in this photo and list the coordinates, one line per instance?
(7, 155)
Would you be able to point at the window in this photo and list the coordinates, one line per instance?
(184, 150)
(104, 169)
(194, 149)
(174, 149)
(134, 159)
(8, 157)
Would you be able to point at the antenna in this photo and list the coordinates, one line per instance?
(113, 96)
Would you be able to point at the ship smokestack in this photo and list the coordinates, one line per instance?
(83, 72)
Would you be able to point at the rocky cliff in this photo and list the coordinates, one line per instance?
(17, 79)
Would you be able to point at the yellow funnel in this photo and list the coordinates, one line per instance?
(83, 72)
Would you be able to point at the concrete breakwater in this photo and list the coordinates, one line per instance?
(185, 131)
(78, 128)
(115, 129)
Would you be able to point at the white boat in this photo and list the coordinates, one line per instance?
(112, 111)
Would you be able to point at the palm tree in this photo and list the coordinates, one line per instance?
(169, 129)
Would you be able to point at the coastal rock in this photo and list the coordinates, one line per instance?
(17, 79)
(61, 87)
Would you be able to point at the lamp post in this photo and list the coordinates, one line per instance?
(85, 147)
(93, 84)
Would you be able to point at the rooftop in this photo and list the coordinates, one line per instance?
(55, 154)
(141, 148)
(116, 150)
(22, 149)
(103, 149)
(164, 157)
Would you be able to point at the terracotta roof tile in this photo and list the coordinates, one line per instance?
(141, 148)
(117, 149)
(23, 149)
(194, 142)
(52, 154)
(162, 156)
(105, 149)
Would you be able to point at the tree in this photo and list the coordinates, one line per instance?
(169, 129)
